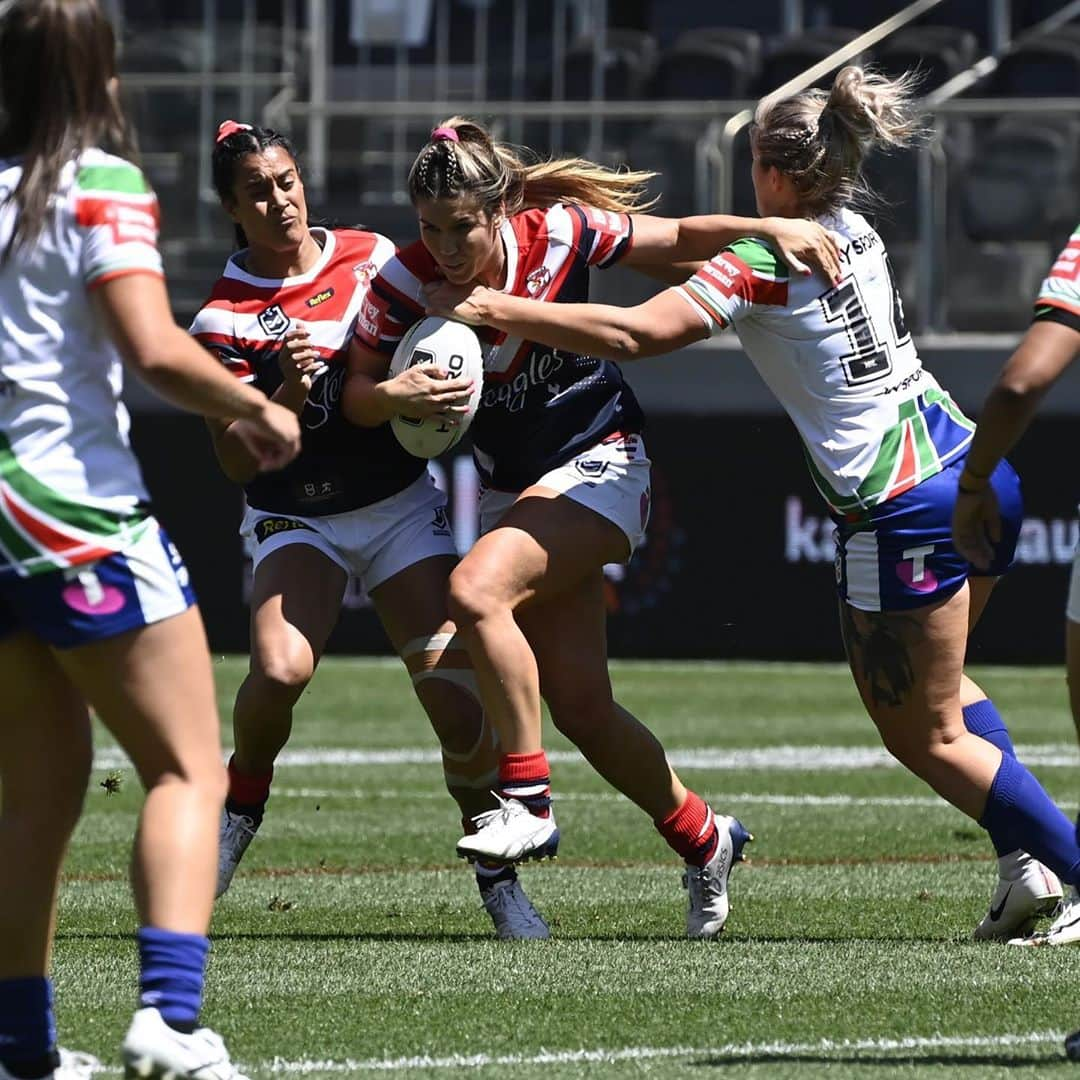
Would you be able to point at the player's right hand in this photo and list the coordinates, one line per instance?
(298, 359)
(272, 438)
(976, 526)
(426, 390)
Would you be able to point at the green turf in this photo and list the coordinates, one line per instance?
(352, 934)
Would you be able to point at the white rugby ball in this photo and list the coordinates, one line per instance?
(455, 348)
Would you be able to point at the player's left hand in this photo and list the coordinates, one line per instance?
(976, 526)
(805, 245)
(462, 302)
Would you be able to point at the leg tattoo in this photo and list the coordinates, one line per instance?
(878, 650)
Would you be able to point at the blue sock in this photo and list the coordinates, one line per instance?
(27, 1027)
(982, 718)
(1017, 806)
(171, 968)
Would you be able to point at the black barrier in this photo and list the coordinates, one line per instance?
(738, 562)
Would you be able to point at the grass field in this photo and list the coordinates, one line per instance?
(353, 942)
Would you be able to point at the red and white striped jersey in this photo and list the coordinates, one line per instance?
(540, 406)
(340, 467)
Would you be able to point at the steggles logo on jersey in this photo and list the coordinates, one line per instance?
(538, 281)
(511, 395)
(320, 298)
(274, 321)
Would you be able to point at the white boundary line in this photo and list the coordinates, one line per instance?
(719, 798)
(773, 758)
(738, 1051)
(840, 1049)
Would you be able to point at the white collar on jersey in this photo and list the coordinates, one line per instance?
(324, 236)
(510, 246)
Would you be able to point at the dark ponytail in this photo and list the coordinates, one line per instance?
(57, 66)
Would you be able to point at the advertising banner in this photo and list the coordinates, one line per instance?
(739, 557)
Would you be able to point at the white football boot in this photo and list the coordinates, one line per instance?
(1064, 930)
(73, 1066)
(512, 911)
(237, 832)
(1026, 889)
(510, 834)
(152, 1049)
(707, 885)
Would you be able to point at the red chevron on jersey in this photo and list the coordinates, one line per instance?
(246, 316)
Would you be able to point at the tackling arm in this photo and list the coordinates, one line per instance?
(660, 325)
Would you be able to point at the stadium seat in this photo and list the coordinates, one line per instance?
(747, 42)
(1043, 67)
(938, 52)
(1021, 184)
(989, 287)
(708, 71)
(673, 22)
(628, 62)
(793, 55)
(669, 150)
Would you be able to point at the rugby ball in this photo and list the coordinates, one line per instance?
(455, 348)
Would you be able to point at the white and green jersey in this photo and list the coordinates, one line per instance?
(873, 421)
(70, 488)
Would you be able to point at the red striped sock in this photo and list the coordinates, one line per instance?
(526, 777)
(691, 830)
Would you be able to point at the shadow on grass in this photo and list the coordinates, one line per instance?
(296, 935)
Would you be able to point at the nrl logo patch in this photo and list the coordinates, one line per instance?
(274, 321)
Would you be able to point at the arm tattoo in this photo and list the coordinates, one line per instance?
(877, 645)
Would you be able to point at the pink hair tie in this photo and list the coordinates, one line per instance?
(229, 127)
(445, 133)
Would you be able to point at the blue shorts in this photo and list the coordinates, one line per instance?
(902, 556)
(143, 584)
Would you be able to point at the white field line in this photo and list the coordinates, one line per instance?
(716, 798)
(775, 758)
(838, 1048)
(740, 1051)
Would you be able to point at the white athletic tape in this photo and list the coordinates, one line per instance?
(436, 643)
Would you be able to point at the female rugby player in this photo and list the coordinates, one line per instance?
(95, 603)
(885, 446)
(557, 440)
(281, 318)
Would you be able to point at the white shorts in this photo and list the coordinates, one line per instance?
(1072, 605)
(373, 543)
(611, 478)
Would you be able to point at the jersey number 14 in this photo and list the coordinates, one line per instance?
(871, 357)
